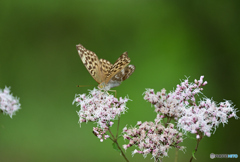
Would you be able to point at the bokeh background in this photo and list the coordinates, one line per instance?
(166, 41)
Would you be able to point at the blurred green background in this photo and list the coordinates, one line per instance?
(166, 41)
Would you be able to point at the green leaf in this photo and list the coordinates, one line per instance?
(193, 152)
(115, 147)
(119, 136)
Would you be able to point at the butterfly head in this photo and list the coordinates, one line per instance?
(104, 86)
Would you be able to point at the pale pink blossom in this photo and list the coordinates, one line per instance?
(8, 103)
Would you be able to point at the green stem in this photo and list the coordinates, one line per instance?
(115, 141)
(168, 121)
(176, 155)
(118, 126)
(198, 141)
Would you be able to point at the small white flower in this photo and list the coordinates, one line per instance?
(101, 108)
(152, 138)
(8, 103)
(206, 117)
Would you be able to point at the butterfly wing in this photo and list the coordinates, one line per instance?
(119, 65)
(124, 73)
(91, 62)
(105, 67)
(128, 71)
(117, 79)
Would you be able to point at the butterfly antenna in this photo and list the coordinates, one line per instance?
(85, 85)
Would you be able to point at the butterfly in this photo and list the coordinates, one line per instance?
(106, 74)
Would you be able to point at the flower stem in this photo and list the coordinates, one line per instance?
(176, 155)
(118, 126)
(115, 141)
(198, 141)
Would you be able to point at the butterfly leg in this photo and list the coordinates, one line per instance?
(114, 92)
(100, 95)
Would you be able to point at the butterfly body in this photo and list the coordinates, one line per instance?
(106, 74)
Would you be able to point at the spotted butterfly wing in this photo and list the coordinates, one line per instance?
(92, 63)
(124, 73)
(117, 79)
(106, 74)
(119, 65)
(105, 66)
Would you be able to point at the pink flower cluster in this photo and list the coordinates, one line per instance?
(186, 92)
(172, 104)
(205, 117)
(101, 108)
(164, 103)
(100, 133)
(8, 103)
(199, 119)
(152, 138)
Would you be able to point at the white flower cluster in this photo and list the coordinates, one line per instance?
(199, 119)
(152, 138)
(172, 104)
(164, 103)
(205, 117)
(100, 107)
(186, 92)
(100, 133)
(8, 103)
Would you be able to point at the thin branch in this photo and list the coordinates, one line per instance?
(176, 155)
(115, 141)
(118, 126)
(198, 141)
